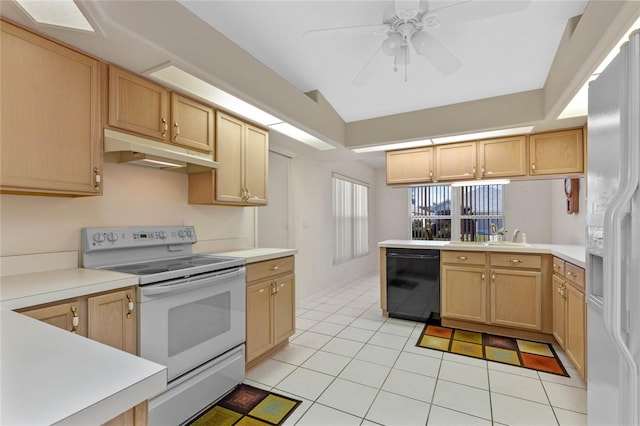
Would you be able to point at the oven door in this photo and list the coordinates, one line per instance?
(186, 322)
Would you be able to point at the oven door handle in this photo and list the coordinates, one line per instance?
(190, 283)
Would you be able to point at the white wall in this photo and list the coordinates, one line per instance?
(567, 228)
(133, 195)
(392, 209)
(527, 207)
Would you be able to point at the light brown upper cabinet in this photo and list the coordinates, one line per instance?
(50, 133)
(556, 153)
(505, 157)
(148, 109)
(410, 166)
(456, 161)
(242, 151)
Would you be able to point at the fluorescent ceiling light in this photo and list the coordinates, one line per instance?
(392, 146)
(302, 136)
(61, 13)
(176, 77)
(484, 135)
(481, 182)
(447, 139)
(579, 105)
(182, 80)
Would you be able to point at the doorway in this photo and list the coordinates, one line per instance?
(274, 220)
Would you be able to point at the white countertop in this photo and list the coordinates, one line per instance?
(258, 254)
(571, 253)
(20, 291)
(52, 376)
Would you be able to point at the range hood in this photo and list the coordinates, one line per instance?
(147, 152)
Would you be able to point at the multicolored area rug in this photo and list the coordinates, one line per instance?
(248, 406)
(505, 350)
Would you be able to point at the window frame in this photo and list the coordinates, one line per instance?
(456, 216)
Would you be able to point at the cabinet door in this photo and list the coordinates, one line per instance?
(138, 105)
(559, 310)
(504, 157)
(191, 124)
(456, 161)
(256, 158)
(284, 311)
(410, 166)
(228, 152)
(50, 133)
(259, 324)
(516, 298)
(464, 293)
(556, 153)
(112, 321)
(61, 315)
(576, 330)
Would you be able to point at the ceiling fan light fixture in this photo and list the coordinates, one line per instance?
(392, 45)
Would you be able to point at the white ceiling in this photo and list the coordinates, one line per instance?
(502, 54)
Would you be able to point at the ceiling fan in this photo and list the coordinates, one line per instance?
(409, 27)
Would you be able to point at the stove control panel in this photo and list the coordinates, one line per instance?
(94, 239)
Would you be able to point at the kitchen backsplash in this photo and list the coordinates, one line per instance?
(133, 196)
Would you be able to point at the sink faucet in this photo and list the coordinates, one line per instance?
(515, 236)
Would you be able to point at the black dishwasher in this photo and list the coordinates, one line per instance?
(413, 284)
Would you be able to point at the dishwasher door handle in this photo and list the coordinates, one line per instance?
(414, 256)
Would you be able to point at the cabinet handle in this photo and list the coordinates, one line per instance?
(130, 299)
(261, 290)
(493, 277)
(175, 137)
(473, 172)
(97, 179)
(515, 261)
(431, 174)
(482, 277)
(462, 257)
(274, 268)
(165, 126)
(75, 321)
(533, 167)
(571, 274)
(482, 171)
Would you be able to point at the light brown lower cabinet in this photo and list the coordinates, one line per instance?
(270, 307)
(570, 314)
(106, 318)
(505, 290)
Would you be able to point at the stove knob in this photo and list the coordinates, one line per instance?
(163, 235)
(98, 238)
(112, 236)
(181, 233)
(189, 233)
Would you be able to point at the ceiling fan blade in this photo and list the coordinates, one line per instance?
(367, 70)
(475, 10)
(438, 55)
(351, 30)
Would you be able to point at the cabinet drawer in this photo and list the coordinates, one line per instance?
(574, 274)
(516, 260)
(558, 266)
(269, 268)
(463, 257)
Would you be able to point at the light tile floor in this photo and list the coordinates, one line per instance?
(351, 366)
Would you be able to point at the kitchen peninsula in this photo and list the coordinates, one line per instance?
(528, 291)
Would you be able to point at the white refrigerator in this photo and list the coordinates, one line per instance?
(613, 241)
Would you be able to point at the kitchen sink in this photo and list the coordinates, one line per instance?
(488, 244)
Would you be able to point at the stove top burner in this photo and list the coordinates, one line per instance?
(194, 262)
